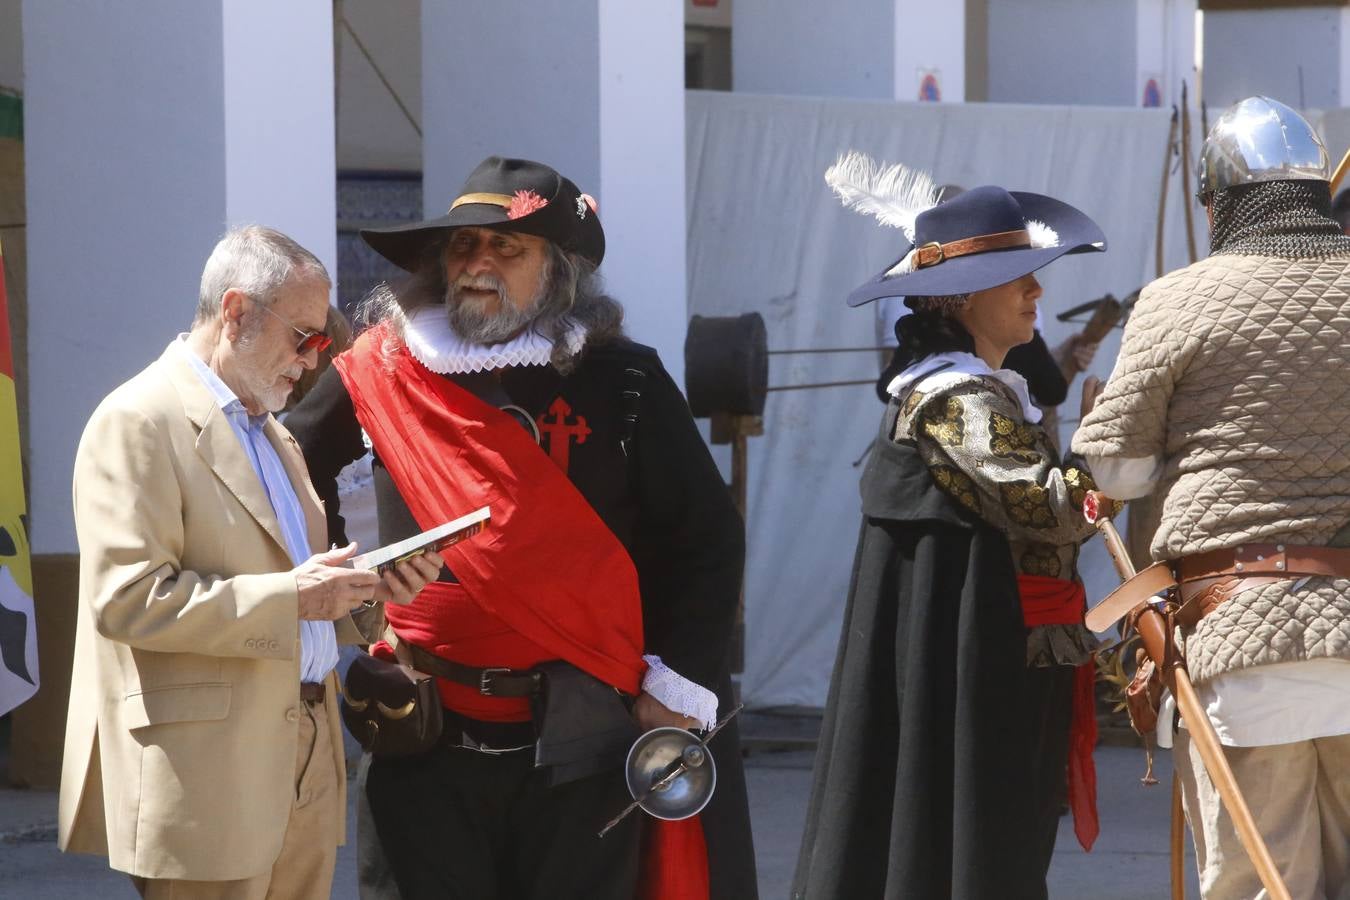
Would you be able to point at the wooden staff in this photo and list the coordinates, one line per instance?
(1178, 836)
(1153, 630)
(1187, 201)
(1339, 174)
(1162, 192)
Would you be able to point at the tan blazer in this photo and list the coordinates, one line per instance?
(184, 702)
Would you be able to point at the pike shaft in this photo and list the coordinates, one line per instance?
(1153, 631)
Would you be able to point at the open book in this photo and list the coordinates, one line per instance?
(438, 538)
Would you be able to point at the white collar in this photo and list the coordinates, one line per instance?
(940, 370)
(437, 346)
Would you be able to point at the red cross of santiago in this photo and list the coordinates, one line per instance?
(560, 433)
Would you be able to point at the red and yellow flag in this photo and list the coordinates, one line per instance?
(18, 628)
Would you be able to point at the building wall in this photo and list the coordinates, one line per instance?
(771, 39)
(475, 47)
(1062, 51)
(1261, 52)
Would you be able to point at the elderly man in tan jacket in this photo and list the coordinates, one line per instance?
(1231, 401)
(203, 748)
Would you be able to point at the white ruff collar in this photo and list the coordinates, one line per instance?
(953, 367)
(437, 346)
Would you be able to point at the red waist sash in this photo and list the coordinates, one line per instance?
(1055, 601)
(478, 638)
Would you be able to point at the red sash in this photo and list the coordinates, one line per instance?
(546, 566)
(1054, 601)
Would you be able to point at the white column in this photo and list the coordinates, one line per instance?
(593, 88)
(866, 49)
(150, 128)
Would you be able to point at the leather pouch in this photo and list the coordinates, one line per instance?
(584, 725)
(391, 709)
(1143, 695)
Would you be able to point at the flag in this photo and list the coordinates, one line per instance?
(18, 624)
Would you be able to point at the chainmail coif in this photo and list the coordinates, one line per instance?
(1287, 219)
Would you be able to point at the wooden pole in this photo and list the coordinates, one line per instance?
(1339, 174)
(1187, 201)
(1162, 193)
(733, 429)
(1153, 633)
(1178, 842)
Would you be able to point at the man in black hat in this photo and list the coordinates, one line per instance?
(497, 374)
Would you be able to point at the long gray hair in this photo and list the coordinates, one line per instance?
(572, 295)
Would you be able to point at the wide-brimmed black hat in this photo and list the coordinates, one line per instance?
(980, 239)
(508, 195)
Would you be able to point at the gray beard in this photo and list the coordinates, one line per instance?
(471, 322)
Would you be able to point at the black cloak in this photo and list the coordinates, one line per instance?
(921, 785)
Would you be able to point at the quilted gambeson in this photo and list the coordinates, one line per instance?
(1234, 372)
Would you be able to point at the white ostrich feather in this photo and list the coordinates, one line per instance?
(904, 266)
(894, 194)
(1042, 235)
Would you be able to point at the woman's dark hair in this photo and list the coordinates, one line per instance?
(924, 332)
(929, 332)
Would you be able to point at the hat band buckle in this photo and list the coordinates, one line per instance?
(932, 253)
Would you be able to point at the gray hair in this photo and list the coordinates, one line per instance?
(256, 260)
(572, 295)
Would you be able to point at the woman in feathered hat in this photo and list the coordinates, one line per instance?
(963, 656)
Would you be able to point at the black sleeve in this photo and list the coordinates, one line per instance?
(325, 426)
(689, 544)
(1033, 362)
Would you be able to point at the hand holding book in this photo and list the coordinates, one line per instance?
(385, 558)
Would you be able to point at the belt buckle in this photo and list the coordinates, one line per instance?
(485, 680)
(931, 245)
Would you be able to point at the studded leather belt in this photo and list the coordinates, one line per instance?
(1206, 580)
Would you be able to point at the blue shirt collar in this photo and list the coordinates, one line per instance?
(226, 399)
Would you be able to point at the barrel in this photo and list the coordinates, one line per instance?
(726, 365)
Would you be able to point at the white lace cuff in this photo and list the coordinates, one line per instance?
(679, 694)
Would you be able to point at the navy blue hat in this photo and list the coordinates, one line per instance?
(980, 239)
(506, 195)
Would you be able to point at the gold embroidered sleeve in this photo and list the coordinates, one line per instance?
(1008, 464)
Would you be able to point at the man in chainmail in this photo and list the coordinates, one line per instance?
(1232, 400)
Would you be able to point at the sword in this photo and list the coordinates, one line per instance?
(693, 756)
(1155, 633)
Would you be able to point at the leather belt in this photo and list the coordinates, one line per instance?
(313, 691)
(491, 681)
(1208, 579)
(932, 253)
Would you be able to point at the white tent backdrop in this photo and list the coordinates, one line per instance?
(767, 235)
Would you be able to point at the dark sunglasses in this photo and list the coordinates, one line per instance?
(309, 340)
